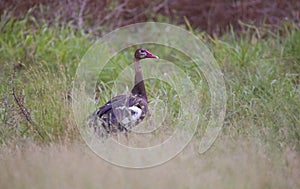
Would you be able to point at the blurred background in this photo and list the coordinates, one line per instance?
(215, 16)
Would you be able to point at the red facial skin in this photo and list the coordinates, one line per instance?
(149, 55)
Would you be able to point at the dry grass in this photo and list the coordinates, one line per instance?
(228, 164)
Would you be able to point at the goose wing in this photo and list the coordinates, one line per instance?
(116, 103)
(120, 111)
(122, 102)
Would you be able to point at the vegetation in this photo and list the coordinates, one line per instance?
(261, 71)
(37, 68)
(39, 64)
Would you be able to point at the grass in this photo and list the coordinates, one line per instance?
(226, 165)
(259, 144)
(39, 64)
(262, 79)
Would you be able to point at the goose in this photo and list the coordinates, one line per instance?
(127, 110)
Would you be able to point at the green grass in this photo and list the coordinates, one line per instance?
(261, 75)
(39, 62)
(262, 79)
(261, 72)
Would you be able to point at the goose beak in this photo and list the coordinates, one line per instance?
(149, 55)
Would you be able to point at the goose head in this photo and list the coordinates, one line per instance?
(143, 53)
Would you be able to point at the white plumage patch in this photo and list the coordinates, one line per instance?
(136, 113)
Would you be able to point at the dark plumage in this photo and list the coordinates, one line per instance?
(124, 111)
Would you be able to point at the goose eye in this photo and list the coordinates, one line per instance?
(142, 53)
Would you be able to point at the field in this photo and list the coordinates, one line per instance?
(40, 145)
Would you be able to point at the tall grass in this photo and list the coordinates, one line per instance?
(262, 79)
(38, 65)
